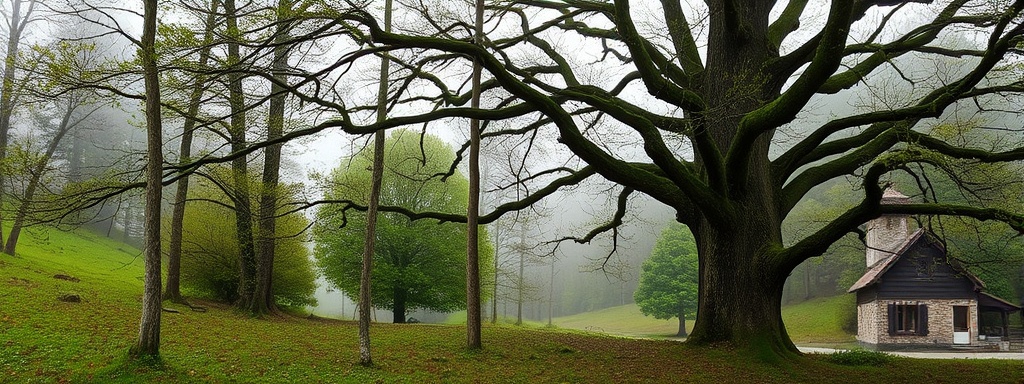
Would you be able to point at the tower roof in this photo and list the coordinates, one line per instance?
(893, 197)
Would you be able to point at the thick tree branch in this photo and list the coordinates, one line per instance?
(682, 37)
(784, 108)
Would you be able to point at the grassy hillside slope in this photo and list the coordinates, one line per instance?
(43, 339)
(621, 320)
(817, 321)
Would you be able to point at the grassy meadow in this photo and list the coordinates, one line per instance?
(43, 339)
(810, 322)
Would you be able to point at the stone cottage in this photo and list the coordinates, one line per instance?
(913, 296)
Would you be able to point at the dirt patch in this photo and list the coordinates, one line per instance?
(20, 282)
(66, 278)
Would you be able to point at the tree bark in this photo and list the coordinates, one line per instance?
(148, 344)
(473, 322)
(740, 297)
(377, 176)
(172, 291)
(239, 168)
(263, 297)
(741, 275)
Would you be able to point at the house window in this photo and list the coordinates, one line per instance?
(908, 319)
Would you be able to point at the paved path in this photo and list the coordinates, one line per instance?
(935, 355)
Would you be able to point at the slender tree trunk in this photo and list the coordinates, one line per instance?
(173, 289)
(682, 324)
(263, 297)
(127, 222)
(807, 281)
(239, 166)
(17, 24)
(494, 288)
(473, 332)
(551, 291)
(369, 242)
(36, 174)
(521, 280)
(75, 158)
(112, 218)
(149, 328)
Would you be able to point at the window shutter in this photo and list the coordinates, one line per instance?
(922, 316)
(892, 319)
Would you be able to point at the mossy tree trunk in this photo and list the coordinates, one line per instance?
(240, 191)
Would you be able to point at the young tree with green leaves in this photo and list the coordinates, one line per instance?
(416, 264)
(669, 278)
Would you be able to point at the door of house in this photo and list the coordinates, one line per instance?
(961, 330)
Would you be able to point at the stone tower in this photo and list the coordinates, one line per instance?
(887, 233)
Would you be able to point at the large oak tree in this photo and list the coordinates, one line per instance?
(697, 105)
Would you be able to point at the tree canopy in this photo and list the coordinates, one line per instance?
(668, 279)
(417, 264)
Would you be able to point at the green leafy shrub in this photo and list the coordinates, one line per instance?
(861, 357)
(210, 251)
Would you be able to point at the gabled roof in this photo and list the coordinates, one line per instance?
(876, 271)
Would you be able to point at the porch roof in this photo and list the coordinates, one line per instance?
(993, 302)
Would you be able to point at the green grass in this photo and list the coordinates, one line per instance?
(45, 340)
(817, 321)
(625, 320)
(820, 321)
(459, 318)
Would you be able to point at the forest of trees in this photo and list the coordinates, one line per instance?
(768, 129)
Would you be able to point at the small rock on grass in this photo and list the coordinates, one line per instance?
(70, 298)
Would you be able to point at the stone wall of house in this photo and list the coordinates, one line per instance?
(867, 320)
(873, 323)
